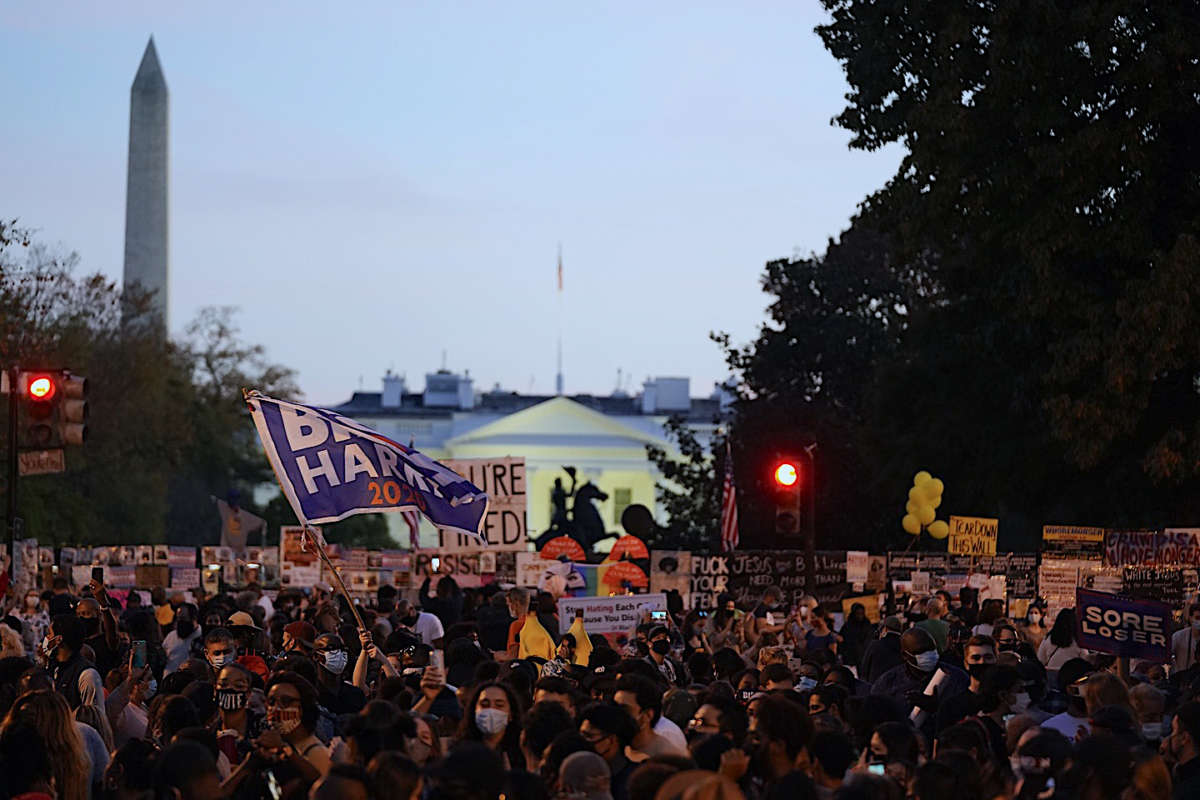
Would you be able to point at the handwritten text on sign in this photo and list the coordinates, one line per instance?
(504, 524)
(620, 614)
(973, 536)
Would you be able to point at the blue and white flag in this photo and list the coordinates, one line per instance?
(331, 467)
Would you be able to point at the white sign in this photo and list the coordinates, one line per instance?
(920, 583)
(531, 568)
(185, 578)
(619, 614)
(858, 566)
(504, 526)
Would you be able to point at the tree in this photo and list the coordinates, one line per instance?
(690, 491)
(1051, 169)
(168, 428)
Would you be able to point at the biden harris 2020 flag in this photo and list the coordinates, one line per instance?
(331, 467)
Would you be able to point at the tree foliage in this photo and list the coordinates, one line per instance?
(1015, 309)
(690, 491)
(167, 428)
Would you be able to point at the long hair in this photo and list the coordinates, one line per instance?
(94, 716)
(1063, 632)
(47, 713)
(469, 731)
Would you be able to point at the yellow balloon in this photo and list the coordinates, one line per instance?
(926, 515)
(917, 493)
(930, 491)
(922, 478)
(937, 501)
(938, 486)
(911, 506)
(911, 524)
(939, 529)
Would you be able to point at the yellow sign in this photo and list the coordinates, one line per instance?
(870, 604)
(973, 536)
(1071, 533)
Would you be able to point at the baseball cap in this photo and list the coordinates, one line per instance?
(893, 623)
(240, 619)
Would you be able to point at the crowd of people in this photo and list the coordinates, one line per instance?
(475, 694)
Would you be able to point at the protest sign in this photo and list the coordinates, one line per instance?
(531, 568)
(331, 467)
(1179, 546)
(149, 576)
(870, 603)
(143, 554)
(1073, 542)
(466, 568)
(1134, 628)
(503, 479)
(1131, 548)
(671, 569)
(81, 574)
(1152, 583)
(181, 557)
(858, 567)
(292, 549)
(619, 614)
(975, 536)
(162, 554)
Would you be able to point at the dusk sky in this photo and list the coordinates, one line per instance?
(374, 183)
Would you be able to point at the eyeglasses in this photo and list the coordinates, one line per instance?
(592, 737)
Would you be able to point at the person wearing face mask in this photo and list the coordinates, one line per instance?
(777, 745)
(74, 678)
(921, 669)
(34, 619)
(288, 749)
(724, 626)
(100, 628)
(1185, 640)
(1181, 749)
(237, 725)
(220, 648)
(1149, 704)
(1070, 679)
(769, 616)
(333, 691)
(492, 717)
(1002, 695)
(1034, 627)
(422, 623)
(182, 641)
(979, 654)
(659, 657)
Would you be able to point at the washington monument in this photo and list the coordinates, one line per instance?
(146, 225)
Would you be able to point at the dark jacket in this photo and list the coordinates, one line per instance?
(448, 610)
(880, 656)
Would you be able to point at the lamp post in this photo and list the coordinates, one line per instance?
(810, 533)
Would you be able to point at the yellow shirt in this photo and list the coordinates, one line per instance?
(535, 641)
(583, 645)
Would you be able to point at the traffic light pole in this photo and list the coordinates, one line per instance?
(10, 516)
(810, 534)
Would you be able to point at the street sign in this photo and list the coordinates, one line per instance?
(42, 462)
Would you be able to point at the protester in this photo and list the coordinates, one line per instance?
(1060, 645)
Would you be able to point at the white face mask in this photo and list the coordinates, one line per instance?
(1020, 702)
(32, 601)
(1035, 617)
(1152, 731)
(491, 721)
(335, 661)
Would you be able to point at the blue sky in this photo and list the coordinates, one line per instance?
(375, 183)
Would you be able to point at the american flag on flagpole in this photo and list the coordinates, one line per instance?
(729, 515)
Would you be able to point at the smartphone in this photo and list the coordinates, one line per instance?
(877, 769)
(98, 575)
(139, 654)
(436, 563)
(658, 616)
(438, 659)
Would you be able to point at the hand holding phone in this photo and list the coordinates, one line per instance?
(138, 660)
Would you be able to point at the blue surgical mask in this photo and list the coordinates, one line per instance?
(925, 662)
(805, 683)
(151, 688)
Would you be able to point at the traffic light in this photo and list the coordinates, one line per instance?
(55, 409)
(73, 411)
(39, 393)
(786, 477)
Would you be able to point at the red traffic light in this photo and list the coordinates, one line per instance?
(41, 387)
(786, 474)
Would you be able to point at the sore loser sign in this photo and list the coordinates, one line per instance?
(504, 524)
(1133, 628)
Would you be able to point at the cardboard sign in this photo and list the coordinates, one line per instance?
(1072, 542)
(531, 568)
(619, 614)
(1135, 628)
(870, 603)
(291, 549)
(504, 524)
(973, 536)
(185, 578)
(181, 557)
(858, 567)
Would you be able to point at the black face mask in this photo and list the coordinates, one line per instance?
(91, 626)
(231, 699)
(184, 627)
(643, 649)
(410, 620)
(977, 671)
(662, 647)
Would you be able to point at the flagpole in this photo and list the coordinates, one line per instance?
(558, 380)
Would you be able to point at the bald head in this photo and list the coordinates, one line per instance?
(88, 608)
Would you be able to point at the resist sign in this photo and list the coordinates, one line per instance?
(1133, 628)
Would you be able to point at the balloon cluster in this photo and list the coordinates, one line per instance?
(923, 499)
